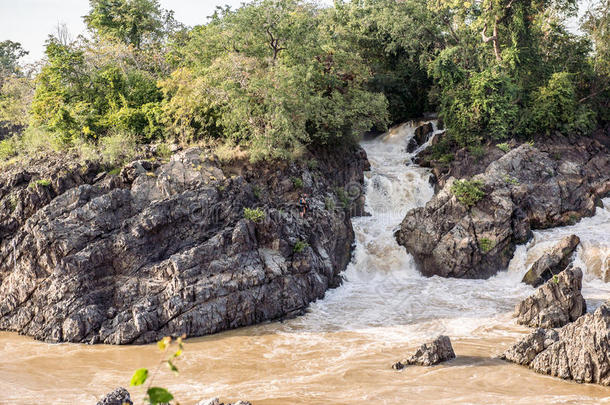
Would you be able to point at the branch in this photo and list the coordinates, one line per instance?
(486, 39)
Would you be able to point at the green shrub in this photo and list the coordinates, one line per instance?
(163, 151)
(504, 147)
(343, 198)
(477, 151)
(297, 182)
(117, 149)
(300, 246)
(555, 107)
(468, 192)
(8, 149)
(312, 164)
(486, 245)
(256, 190)
(254, 214)
(41, 183)
(510, 180)
(329, 204)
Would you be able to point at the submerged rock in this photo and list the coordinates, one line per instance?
(119, 396)
(429, 354)
(555, 303)
(552, 262)
(216, 401)
(170, 249)
(526, 188)
(579, 351)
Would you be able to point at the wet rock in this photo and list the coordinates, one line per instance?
(552, 262)
(526, 349)
(420, 136)
(166, 248)
(119, 396)
(429, 354)
(555, 303)
(579, 351)
(524, 189)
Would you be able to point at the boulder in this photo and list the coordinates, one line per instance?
(555, 303)
(524, 189)
(168, 248)
(429, 354)
(579, 351)
(552, 262)
(119, 396)
(420, 136)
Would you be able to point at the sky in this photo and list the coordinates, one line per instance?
(31, 21)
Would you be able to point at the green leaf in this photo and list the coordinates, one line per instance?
(157, 395)
(139, 377)
(172, 366)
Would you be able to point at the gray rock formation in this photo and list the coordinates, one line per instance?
(555, 303)
(119, 396)
(429, 354)
(579, 351)
(167, 249)
(525, 189)
(552, 262)
(525, 350)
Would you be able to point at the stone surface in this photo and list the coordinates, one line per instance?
(552, 262)
(554, 304)
(165, 248)
(119, 396)
(579, 351)
(429, 354)
(526, 188)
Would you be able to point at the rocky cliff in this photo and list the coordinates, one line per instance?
(185, 246)
(529, 187)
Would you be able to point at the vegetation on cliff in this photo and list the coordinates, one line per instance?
(277, 76)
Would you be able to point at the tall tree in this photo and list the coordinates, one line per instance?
(130, 21)
(10, 53)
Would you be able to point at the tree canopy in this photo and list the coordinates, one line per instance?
(277, 76)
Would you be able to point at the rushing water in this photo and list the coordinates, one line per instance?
(341, 351)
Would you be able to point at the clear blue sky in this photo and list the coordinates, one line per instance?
(31, 21)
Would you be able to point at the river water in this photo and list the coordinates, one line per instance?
(341, 351)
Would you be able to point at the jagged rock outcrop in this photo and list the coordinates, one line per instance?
(552, 262)
(524, 189)
(429, 354)
(579, 351)
(555, 303)
(167, 249)
(119, 396)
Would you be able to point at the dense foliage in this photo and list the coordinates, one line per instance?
(277, 76)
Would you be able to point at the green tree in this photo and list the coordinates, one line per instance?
(275, 76)
(396, 40)
(10, 53)
(130, 21)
